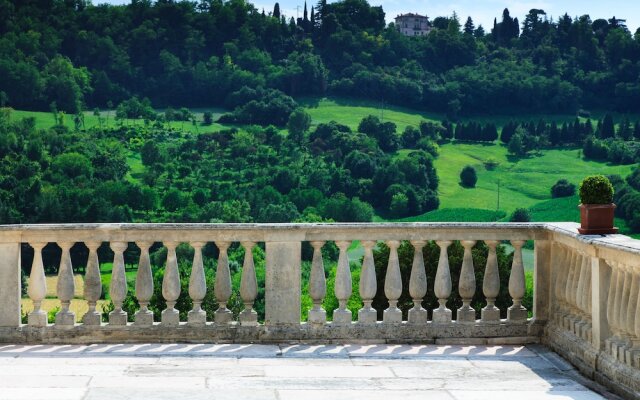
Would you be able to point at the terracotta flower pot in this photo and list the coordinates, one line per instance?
(597, 219)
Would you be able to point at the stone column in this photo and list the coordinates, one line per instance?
(223, 285)
(393, 285)
(418, 284)
(171, 287)
(144, 286)
(283, 283)
(248, 287)
(92, 285)
(37, 288)
(342, 315)
(631, 319)
(600, 295)
(118, 289)
(517, 312)
(197, 286)
(442, 286)
(491, 284)
(66, 287)
(317, 286)
(10, 285)
(542, 281)
(368, 285)
(467, 284)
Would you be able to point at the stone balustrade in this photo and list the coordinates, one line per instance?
(586, 289)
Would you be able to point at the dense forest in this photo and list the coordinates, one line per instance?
(74, 55)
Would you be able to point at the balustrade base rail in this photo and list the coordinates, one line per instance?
(404, 333)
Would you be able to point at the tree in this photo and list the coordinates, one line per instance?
(517, 145)
(276, 11)
(520, 215)
(468, 177)
(298, 124)
(469, 27)
(563, 188)
(607, 130)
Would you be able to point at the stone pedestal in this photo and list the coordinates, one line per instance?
(490, 314)
(10, 285)
(248, 318)
(223, 316)
(92, 319)
(197, 317)
(466, 314)
(392, 315)
(318, 316)
(441, 316)
(143, 318)
(367, 316)
(418, 316)
(282, 283)
(38, 319)
(342, 317)
(170, 317)
(517, 313)
(115, 318)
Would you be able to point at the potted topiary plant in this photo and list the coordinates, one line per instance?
(597, 208)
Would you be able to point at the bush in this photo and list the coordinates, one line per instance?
(468, 176)
(596, 189)
(520, 215)
(563, 188)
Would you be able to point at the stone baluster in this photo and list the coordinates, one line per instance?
(442, 286)
(171, 287)
(622, 310)
(92, 285)
(467, 284)
(223, 285)
(144, 286)
(248, 287)
(197, 286)
(393, 285)
(37, 289)
(317, 286)
(568, 318)
(636, 357)
(343, 286)
(418, 284)
(118, 288)
(631, 319)
(66, 287)
(611, 303)
(491, 284)
(582, 326)
(368, 285)
(517, 312)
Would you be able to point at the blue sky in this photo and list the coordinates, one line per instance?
(482, 11)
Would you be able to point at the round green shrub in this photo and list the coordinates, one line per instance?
(520, 215)
(596, 189)
(563, 188)
(468, 177)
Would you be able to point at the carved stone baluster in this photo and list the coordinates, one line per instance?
(631, 319)
(343, 286)
(517, 312)
(622, 310)
(561, 283)
(248, 287)
(418, 284)
(92, 285)
(66, 287)
(568, 291)
(317, 286)
(144, 286)
(171, 286)
(197, 286)
(442, 286)
(393, 285)
(223, 285)
(491, 284)
(580, 323)
(636, 357)
(118, 289)
(467, 284)
(611, 302)
(37, 288)
(368, 285)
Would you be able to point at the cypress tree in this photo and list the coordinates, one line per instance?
(636, 130)
(469, 27)
(608, 129)
(276, 10)
(554, 134)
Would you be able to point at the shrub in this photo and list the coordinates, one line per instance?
(596, 189)
(207, 118)
(491, 163)
(468, 176)
(520, 215)
(563, 188)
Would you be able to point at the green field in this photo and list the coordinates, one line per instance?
(521, 182)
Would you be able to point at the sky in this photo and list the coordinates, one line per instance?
(482, 11)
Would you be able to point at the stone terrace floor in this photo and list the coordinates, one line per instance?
(297, 372)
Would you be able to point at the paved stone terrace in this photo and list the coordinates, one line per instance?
(245, 372)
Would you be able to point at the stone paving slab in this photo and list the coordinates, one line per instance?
(239, 372)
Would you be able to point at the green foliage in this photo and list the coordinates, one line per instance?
(563, 188)
(468, 176)
(520, 215)
(596, 189)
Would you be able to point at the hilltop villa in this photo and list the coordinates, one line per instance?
(413, 24)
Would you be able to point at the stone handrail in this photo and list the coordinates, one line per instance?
(586, 289)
